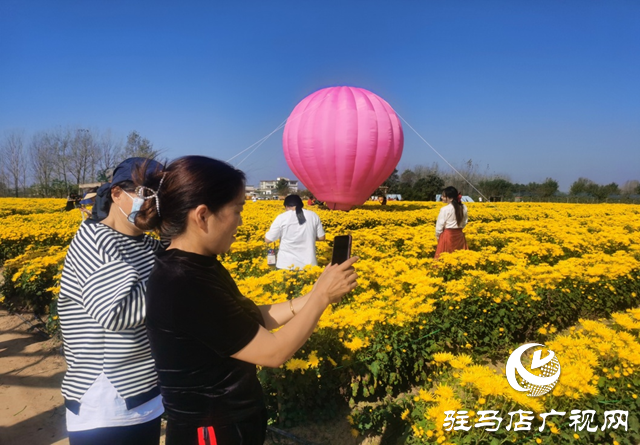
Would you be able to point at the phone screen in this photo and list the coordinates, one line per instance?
(341, 249)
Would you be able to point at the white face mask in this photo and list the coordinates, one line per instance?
(135, 208)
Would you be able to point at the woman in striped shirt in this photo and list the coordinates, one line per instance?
(110, 387)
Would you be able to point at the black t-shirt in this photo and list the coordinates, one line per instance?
(196, 319)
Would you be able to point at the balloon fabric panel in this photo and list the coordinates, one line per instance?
(342, 143)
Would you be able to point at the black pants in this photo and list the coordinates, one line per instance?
(250, 431)
(147, 433)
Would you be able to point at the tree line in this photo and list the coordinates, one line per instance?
(54, 163)
(424, 183)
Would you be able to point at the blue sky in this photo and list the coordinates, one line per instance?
(531, 89)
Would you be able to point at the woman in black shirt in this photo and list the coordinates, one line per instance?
(206, 337)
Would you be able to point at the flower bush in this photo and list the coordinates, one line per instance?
(599, 364)
(47, 225)
(19, 206)
(533, 269)
(32, 283)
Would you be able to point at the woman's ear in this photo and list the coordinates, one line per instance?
(201, 215)
(116, 193)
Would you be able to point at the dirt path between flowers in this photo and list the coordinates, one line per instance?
(31, 370)
(31, 405)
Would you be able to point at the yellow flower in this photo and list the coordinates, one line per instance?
(355, 344)
(444, 392)
(313, 360)
(461, 361)
(295, 364)
(442, 357)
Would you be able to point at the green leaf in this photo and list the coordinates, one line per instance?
(375, 368)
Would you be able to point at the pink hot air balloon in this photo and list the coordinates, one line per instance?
(342, 143)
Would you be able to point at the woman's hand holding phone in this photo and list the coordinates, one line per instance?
(336, 281)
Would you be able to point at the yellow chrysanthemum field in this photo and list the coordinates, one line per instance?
(419, 337)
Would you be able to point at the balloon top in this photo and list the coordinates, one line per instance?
(342, 143)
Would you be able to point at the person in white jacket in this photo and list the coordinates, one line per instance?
(298, 230)
(451, 220)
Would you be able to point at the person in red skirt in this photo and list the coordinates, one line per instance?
(451, 221)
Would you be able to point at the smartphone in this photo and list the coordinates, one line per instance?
(341, 249)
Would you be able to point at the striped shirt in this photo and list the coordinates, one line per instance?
(102, 312)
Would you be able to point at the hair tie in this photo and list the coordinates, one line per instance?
(460, 198)
(154, 193)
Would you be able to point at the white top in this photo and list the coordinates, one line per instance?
(297, 241)
(102, 407)
(447, 219)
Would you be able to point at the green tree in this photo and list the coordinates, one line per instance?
(524, 189)
(582, 186)
(392, 182)
(548, 188)
(140, 147)
(305, 194)
(60, 188)
(588, 187)
(424, 189)
(282, 187)
(497, 187)
(603, 191)
(408, 177)
(105, 175)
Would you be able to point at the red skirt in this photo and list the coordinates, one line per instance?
(450, 240)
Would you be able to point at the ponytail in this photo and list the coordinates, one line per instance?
(296, 201)
(186, 183)
(456, 202)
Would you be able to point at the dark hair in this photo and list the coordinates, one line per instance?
(126, 176)
(296, 201)
(452, 193)
(186, 183)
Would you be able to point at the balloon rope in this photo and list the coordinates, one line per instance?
(442, 157)
(262, 141)
(259, 142)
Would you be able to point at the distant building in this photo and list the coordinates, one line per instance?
(84, 188)
(465, 198)
(268, 186)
